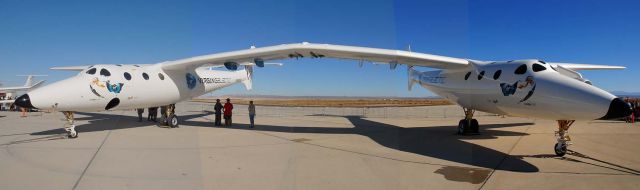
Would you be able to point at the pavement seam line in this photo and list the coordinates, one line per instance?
(503, 159)
(91, 161)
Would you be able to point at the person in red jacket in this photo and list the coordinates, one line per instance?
(228, 107)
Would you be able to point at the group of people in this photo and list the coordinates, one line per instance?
(226, 110)
(635, 109)
(221, 111)
(153, 113)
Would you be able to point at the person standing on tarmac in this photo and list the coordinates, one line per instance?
(228, 107)
(140, 112)
(252, 113)
(163, 114)
(218, 111)
(153, 114)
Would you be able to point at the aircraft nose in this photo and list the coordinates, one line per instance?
(24, 101)
(617, 109)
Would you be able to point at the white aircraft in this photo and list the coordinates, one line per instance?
(28, 85)
(530, 88)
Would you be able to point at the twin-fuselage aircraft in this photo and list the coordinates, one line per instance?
(529, 88)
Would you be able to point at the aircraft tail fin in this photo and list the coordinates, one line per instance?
(29, 81)
(248, 81)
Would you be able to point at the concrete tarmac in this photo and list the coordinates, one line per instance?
(115, 151)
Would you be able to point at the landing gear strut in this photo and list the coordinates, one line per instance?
(71, 130)
(169, 116)
(468, 125)
(563, 137)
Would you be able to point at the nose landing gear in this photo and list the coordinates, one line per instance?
(71, 130)
(563, 137)
(468, 125)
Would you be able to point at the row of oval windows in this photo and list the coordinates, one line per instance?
(105, 72)
(519, 71)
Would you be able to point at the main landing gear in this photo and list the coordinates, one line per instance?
(563, 137)
(71, 130)
(468, 125)
(169, 117)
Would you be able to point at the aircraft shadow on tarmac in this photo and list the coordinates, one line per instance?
(439, 142)
(104, 122)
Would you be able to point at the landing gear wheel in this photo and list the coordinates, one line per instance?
(463, 125)
(71, 130)
(173, 121)
(72, 134)
(563, 139)
(475, 127)
(561, 149)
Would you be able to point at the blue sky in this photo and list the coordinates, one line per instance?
(36, 35)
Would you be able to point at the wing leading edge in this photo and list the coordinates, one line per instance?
(309, 50)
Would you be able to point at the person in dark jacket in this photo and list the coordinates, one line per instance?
(140, 112)
(218, 109)
(153, 114)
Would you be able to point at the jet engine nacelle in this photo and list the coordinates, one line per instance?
(231, 65)
(259, 62)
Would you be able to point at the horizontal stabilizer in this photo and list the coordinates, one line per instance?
(71, 68)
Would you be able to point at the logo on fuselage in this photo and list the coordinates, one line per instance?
(214, 80)
(191, 81)
(115, 88)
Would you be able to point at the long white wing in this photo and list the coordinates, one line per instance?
(577, 67)
(308, 50)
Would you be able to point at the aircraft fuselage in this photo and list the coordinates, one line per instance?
(123, 87)
(516, 88)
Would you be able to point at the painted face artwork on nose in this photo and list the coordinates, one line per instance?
(510, 89)
(96, 84)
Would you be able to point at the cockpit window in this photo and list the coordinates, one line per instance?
(105, 72)
(521, 69)
(537, 68)
(497, 74)
(91, 71)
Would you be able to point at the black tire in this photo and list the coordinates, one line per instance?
(561, 151)
(463, 127)
(475, 127)
(173, 121)
(72, 136)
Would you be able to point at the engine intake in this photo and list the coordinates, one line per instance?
(231, 65)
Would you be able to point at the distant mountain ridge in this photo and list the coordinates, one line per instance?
(626, 94)
(258, 96)
(316, 97)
